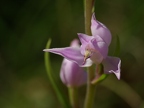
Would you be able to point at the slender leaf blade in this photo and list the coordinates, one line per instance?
(61, 98)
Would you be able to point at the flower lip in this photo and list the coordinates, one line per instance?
(112, 65)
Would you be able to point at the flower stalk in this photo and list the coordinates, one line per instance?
(90, 93)
(73, 97)
(88, 10)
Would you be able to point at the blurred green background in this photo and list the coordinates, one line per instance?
(25, 27)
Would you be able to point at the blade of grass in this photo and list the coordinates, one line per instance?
(61, 98)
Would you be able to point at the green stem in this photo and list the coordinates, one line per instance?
(88, 9)
(88, 4)
(90, 88)
(73, 96)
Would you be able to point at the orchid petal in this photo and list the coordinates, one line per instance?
(100, 46)
(96, 56)
(72, 54)
(97, 28)
(84, 38)
(96, 46)
(112, 65)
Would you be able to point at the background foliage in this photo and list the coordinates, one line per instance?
(26, 25)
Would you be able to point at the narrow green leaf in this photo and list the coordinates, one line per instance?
(102, 75)
(100, 79)
(61, 98)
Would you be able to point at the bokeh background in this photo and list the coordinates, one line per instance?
(25, 27)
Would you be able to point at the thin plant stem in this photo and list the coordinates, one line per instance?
(90, 93)
(88, 9)
(73, 97)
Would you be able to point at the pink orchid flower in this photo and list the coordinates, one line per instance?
(94, 49)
